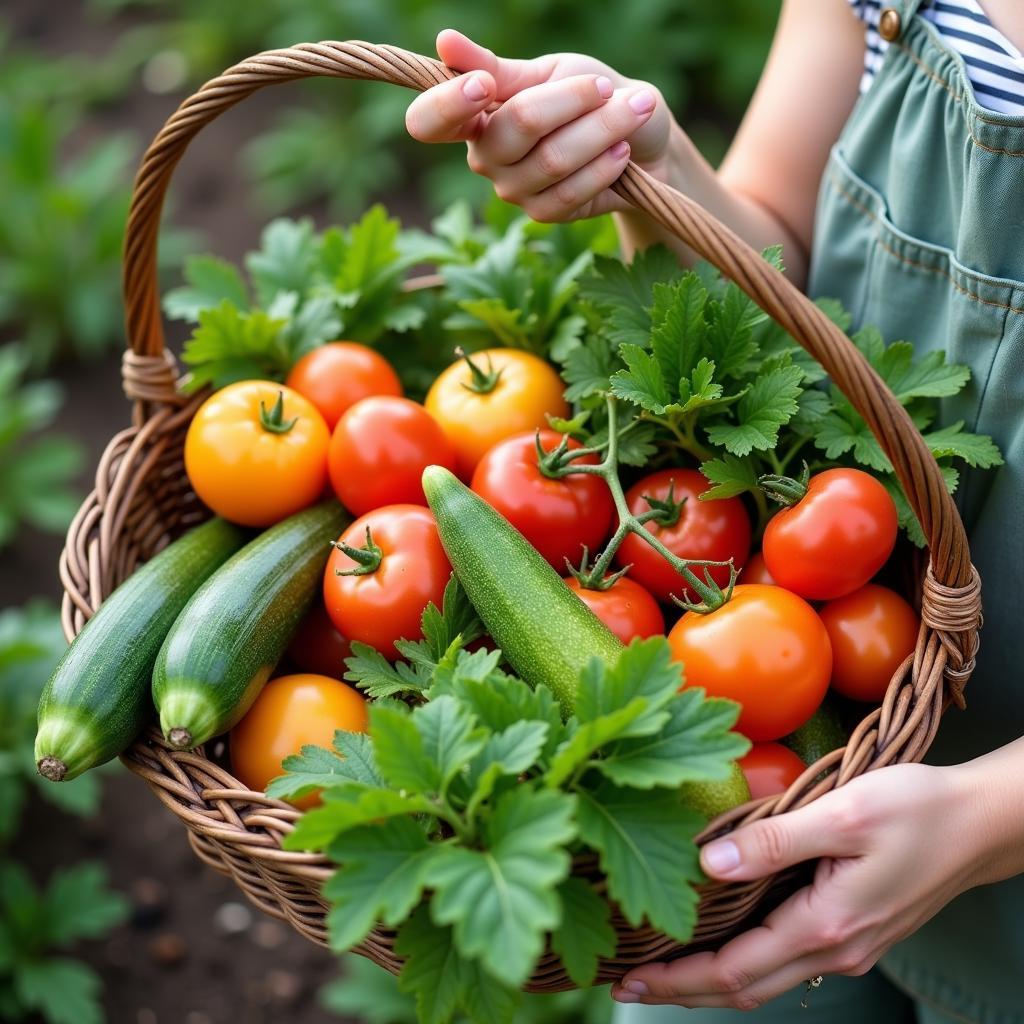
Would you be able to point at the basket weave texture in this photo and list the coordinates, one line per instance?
(142, 500)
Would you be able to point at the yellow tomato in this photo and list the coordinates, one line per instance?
(256, 452)
(290, 712)
(490, 395)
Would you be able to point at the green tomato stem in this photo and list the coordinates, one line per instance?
(483, 382)
(273, 421)
(368, 558)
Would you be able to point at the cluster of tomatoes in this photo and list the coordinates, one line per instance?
(258, 451)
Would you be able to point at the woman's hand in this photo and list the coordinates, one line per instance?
(898, 844)
(564, 131)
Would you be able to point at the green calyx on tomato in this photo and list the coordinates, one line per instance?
(481, 383)
(368, 557)
(274, 421)
(663, 511)
(785, 490)
(585, 576)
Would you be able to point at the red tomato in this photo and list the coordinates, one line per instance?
(755, 571)
(716, 530)
(379, 450)
(290, 712)
(835, 538)
(770, 769)
(337, 375)
(317, 646)
(765, 648)
(558, 517)
(872, 631)
(625, 608)
(385, 604)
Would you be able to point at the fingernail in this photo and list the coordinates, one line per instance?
(619, 150)
(637, 987)
(722, 856)
(604, 87)
(620, 995)
(642, 102)
(474, 89)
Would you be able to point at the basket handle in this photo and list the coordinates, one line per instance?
(147, 373)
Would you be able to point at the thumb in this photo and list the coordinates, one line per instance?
(824, 828)
(461, 53)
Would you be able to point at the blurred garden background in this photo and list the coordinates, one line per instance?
(105, 914)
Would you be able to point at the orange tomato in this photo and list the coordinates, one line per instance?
(317, 646)
(337, 375)
(764, 648)
(872, 631)
(770, 769)
(510, 392)
(290, 712)
(256, 452)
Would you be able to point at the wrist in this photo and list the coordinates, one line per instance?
(988, 794)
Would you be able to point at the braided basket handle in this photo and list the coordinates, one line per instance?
(915, 466)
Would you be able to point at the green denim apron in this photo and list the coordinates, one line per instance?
(920, 232)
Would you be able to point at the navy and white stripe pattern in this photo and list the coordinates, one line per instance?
(994, 65)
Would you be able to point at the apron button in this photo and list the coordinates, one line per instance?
(889, 24)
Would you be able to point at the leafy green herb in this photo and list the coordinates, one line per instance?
(456, 820)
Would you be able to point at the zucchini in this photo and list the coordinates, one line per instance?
(546, 632)
(97, 700)
(231, 634)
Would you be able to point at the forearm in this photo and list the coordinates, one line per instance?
(993, 801)
(688, 172)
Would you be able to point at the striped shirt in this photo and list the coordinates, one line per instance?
(995, 66)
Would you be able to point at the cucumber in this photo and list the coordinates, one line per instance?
(231, 634)
(546, 632)
(97, 700)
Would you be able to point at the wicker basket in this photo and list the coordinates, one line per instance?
(142, 499)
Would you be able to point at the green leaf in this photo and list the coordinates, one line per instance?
(624, 293)
(501, 899)
(585, 933)
(456, 620)
(370, 252)
(731, 321)
(285, 260)
(351, 761)
(229, 345)
(210, 281)
(678, 326)
(80, 906)
(645, 669)
(642, 382)
(587, 368)
(700, 390)
(767, 405)
(62, 991)
(433, 970)
(401, 754)
(645, 845)
(510, 752)
(380, 878)
(450, 737)
(586, 738)
(975, 449)
(695, 745)
(442, 980)
(729, 476)
(377, 677)
(348, 807)
(844, 432)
